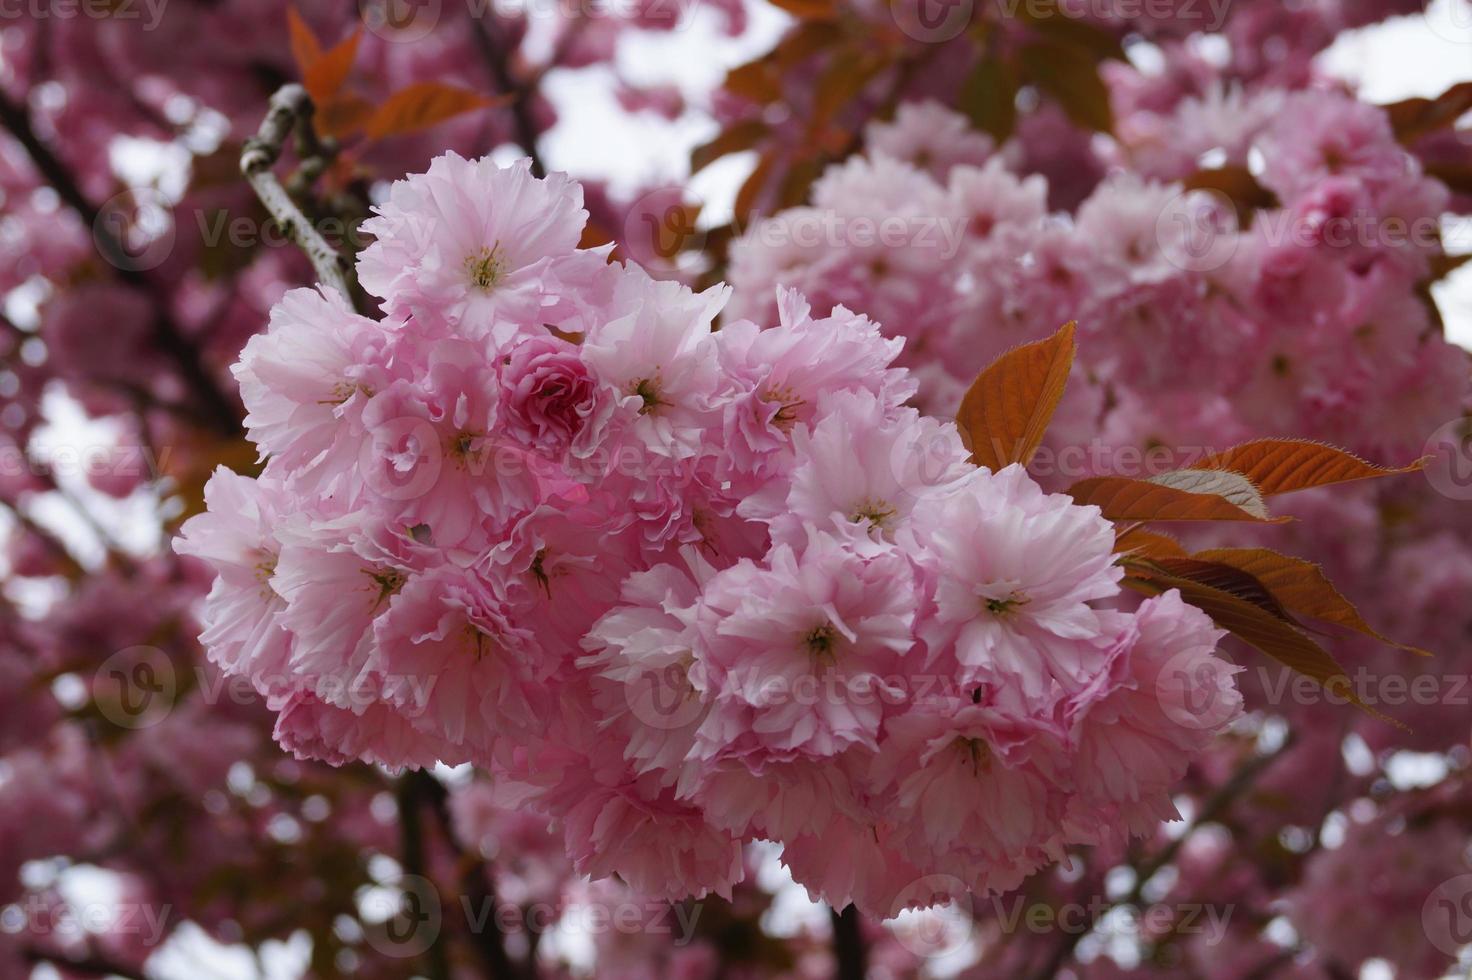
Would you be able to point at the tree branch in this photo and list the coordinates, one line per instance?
(498, 60)
(290, 109)
(848, 945)
(411, 792)
(479, 891)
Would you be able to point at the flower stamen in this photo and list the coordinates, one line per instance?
(486, 268)
(878, 514)
(648, 390)
(1006, 604)
(820, 641)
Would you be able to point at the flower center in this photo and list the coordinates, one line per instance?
(1005, 604)
(482, 640)
(704, 523)
(821, 640)
(648, 390)
(265, 568)
(876, 513)
(388, 580)
(486, 268)
(787, 405)
(539, 572)
(344, 390)
(977, 753)
(463, 447)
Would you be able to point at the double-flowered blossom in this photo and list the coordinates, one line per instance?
(1306, 312)
(680, 588)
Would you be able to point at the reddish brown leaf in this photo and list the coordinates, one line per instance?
(1124, 499)
(1218, 575)
(1236, 183)
(806, 40)
(798, 180)
(757, 81)
(1007, 409)
(1264, 631)
(572, 337)
(809, 9)
(424, 104)
(760, 80)
(305, 48)
(733, 139)
(1443, 265)
(841, 82)
(751, 189)
(324, 77)
(343, 116)
(1455, 174)
(1413, 118)
(1302, 587)
(191, 471)
(1137, 542)
(1284, 465)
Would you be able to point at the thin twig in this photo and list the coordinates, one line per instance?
(290, 108)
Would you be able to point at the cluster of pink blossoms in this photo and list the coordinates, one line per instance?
(678, 588)
(1301, 318)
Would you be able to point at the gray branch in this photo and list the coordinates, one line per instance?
(290, 108)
